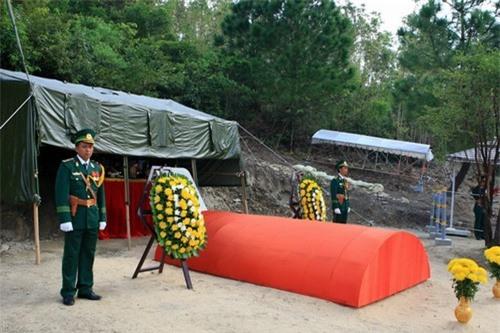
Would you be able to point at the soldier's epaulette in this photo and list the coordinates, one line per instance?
(68, 160)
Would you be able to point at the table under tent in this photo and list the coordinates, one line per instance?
(37, 113)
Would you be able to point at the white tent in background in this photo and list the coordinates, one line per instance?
(395, 157)
(396, 147)
(465, 157)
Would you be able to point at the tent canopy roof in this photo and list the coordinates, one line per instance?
(127, 124)
(397, 147)
(108, 96)
(469, 155)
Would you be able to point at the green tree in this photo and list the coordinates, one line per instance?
(293, 56)
(367, 106)
(470, 111)
(429, 43)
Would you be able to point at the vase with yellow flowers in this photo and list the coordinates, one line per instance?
(492, 256)
(467, 276)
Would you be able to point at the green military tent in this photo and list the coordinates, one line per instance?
(50, 111)
(127, 125)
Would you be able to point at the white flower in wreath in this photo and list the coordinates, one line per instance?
(176, 198)
(177, 212)
(180, 224)
(183, 228)
(190, 203)
(176, 219)
(192, 208)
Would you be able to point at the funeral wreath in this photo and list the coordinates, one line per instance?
(178, 222)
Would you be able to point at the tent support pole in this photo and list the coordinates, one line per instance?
(194, 171)
(452, 195)
(127, 200)
(36, 231)
(244, 192)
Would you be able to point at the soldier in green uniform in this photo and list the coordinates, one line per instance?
(81, 211)
(339, 189)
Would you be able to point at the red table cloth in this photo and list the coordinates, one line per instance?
(115, 209)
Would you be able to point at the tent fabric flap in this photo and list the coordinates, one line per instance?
(397, 147)
(18, 147)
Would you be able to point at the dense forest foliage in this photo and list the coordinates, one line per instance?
(281, 68)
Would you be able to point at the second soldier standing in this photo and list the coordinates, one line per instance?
(339, 189)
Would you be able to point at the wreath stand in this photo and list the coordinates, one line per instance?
(143, 212)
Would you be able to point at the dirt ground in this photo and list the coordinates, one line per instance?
(30, 302)
(155, 302)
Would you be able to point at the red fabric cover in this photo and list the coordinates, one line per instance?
(115, 209)
(347, 264)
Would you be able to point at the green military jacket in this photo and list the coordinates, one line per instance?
(339, 186)
(69, 181)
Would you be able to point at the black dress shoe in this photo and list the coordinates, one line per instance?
(90, 295)
(68, 300)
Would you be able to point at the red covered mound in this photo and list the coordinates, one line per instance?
(347, 264)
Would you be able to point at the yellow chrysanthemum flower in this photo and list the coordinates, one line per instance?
(183, 204)
(493, 254)
(158, 188)
(163, 234)
(159, 206)
(162, 225)
(177, 235)
(185, 193)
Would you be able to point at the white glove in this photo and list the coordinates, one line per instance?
(337, 211)
(348, 209)
(102, 225)
(67, 226)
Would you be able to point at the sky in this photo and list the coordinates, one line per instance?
(392, 12)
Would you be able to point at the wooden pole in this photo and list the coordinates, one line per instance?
(36, 233)
(244, 191)
(194, 171)
(127, 200)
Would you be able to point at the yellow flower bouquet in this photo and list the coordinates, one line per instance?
(179, 224)
(492, 256)
(466, 277)
(312, 201)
